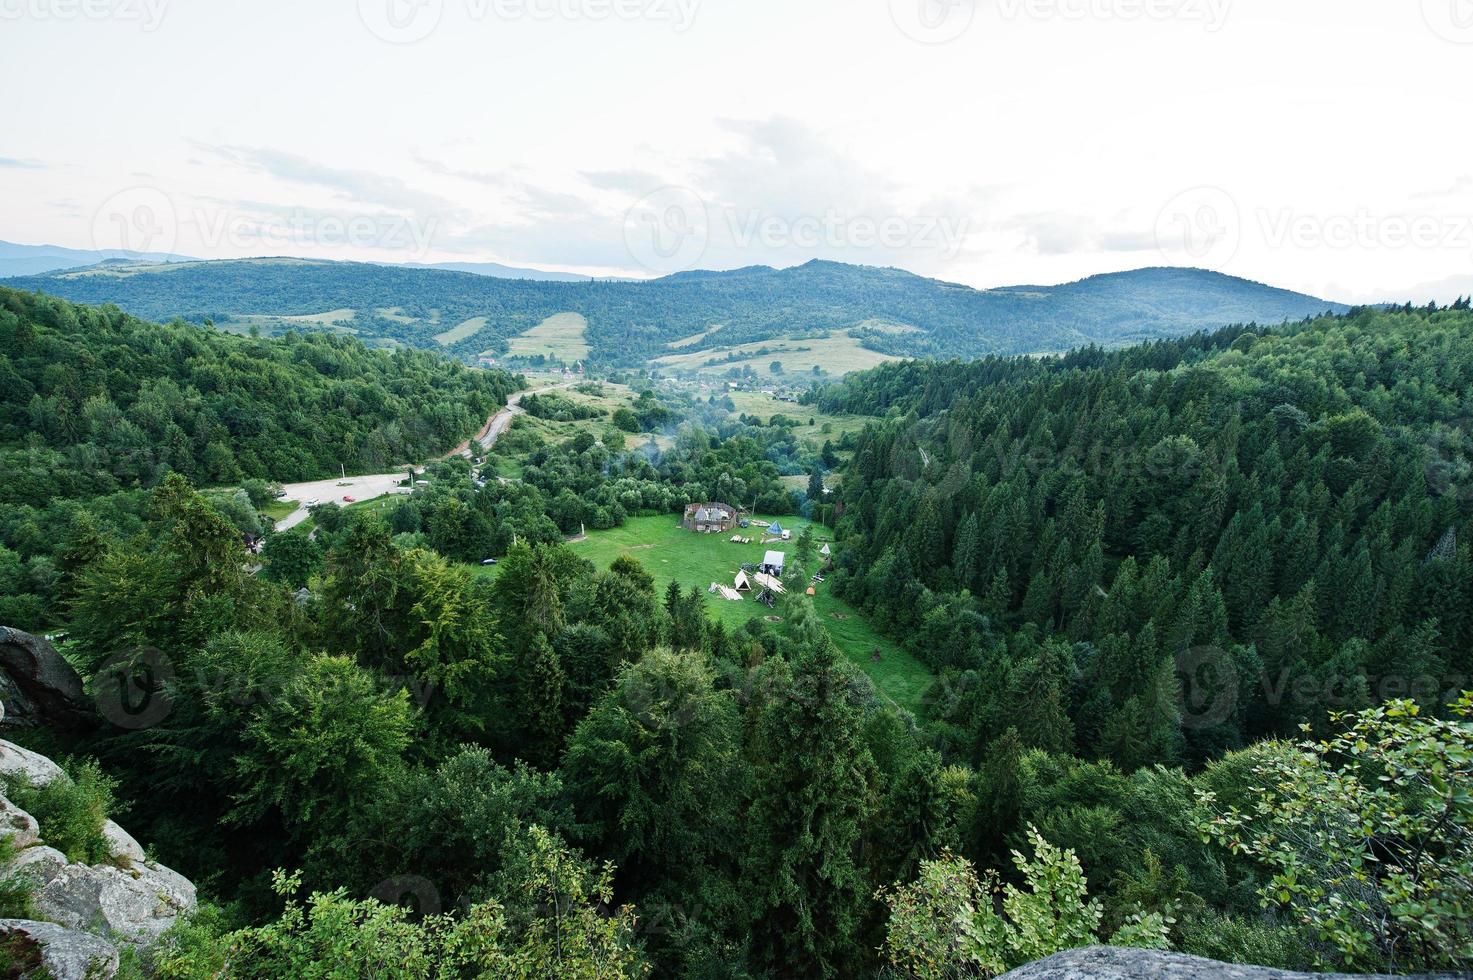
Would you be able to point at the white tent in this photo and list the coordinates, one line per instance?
(825, 551)
(743, 584)
(774, 562)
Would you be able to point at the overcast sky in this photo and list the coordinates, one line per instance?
(1322, 145)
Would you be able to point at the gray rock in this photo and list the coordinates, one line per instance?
(38, 687)
(134, 905)
(65, 954)
(15, 760)
(1116, 963)
(123, 846)
(18, 825)
(42, 864)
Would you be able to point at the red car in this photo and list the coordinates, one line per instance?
(348, 500)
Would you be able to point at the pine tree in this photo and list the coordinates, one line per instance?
(814, 781)
(539, 705)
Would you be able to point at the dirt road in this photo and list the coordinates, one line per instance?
(497, 425)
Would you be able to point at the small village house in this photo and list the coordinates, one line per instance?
(712, 518)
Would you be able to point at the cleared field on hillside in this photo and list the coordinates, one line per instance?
(461, 332)
(693, 338)
(824, 426)
(269, 324)
(671, 554)
(563, 336)
(836, 355)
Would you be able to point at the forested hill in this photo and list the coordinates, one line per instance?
(629, 323)
(1290, 508)
(93, 400)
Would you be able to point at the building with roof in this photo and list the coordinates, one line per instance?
(712, 518)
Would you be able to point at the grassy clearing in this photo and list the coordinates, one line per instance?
(672, 554)
(395, 313)
(269, 324)
(694, 338)
(278, 509)
(823, 425)
(563, 336)
(835, 355)
(461, 332)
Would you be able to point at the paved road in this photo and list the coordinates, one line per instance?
(369, 487)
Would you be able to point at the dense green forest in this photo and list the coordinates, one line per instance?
(413, 769)
(95, 404)
(1289, 510)
(889, 310)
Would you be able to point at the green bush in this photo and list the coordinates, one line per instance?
(70, 813)
(15, 893)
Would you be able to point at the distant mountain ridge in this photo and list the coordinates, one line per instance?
(32, 260)
(883, 311)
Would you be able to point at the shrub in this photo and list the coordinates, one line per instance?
(70, 813)
(1369, 837)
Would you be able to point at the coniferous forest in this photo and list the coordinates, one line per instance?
(1198, 615)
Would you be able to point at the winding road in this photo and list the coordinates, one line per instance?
(383, 484)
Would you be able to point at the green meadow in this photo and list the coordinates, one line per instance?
(672, 554)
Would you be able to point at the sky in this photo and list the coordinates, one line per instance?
(1319, 145)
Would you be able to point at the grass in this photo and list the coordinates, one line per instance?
(562, 336)
(278, 509)
(836, 355)
(671, 554)
(461, 332)
(765, 407)
(693, 338)
(270, 324)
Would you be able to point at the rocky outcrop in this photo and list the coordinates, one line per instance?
(86, 910)
(1117, 963)
(64, 954)
(38, 686)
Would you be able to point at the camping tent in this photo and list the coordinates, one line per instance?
(743, 584)
(776, 529)
(774, 562)
(825, 551)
